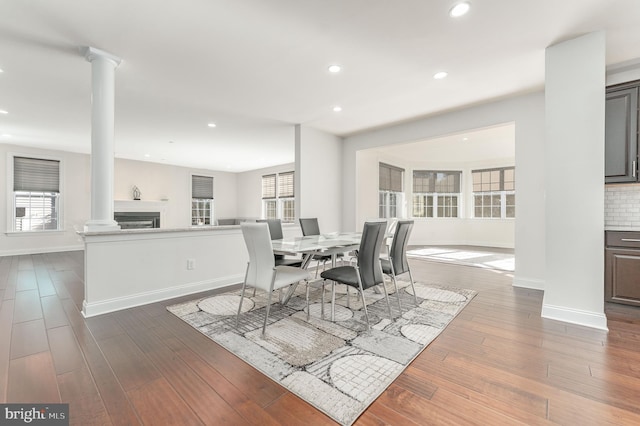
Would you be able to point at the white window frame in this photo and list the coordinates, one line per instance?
(434, 196)
(280, 202)
(204, 203)
(501, 192)
(11, 206)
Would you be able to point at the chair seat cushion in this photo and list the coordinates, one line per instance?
(286, 275)
(343, 274)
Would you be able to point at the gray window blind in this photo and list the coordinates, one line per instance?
(499, 179)
(285, 185)
(202, 187)
(390, 178)
(436, 181)
(36, 175)
(268, 186)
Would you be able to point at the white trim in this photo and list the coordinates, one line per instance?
(116, 304)
(575, 316)
(40, 250)
(531, 283)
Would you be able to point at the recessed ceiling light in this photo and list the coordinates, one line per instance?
(3, 111)
(6, 135)
(335, 68)
(337, 108)
(440, 75)
(211, 125)
(459, 9)
(147, 156)
(465, 139)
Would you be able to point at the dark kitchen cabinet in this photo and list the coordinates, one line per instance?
(622, 267)
(621, 134)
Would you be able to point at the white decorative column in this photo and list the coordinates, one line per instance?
(103, 66)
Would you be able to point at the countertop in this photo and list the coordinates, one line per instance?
(622, 228)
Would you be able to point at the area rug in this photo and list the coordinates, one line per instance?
(482, 259)
(336, 366)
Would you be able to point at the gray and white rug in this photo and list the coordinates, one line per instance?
(334, 365)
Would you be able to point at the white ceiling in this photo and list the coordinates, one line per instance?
(257, 67)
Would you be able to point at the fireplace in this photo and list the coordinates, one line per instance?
(137, 220)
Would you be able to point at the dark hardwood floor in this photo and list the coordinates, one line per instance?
(498, 362)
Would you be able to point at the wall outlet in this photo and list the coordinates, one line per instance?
(191, 264)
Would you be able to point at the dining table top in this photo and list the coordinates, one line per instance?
(316, 243)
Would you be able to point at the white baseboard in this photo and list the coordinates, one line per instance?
(112, 305)
(532, 283)
(40, 250)
(575, 316)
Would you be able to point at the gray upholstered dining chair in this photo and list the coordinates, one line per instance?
(310, 226)
(262, 272)
(275, 229)
(368, 272)
(397, 263)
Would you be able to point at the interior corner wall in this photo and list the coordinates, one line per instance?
(318, 185)
(574, 168)
(527, 113)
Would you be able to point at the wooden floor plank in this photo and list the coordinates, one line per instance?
(32, 379)
(498, 362)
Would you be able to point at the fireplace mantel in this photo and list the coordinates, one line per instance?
(138, 206)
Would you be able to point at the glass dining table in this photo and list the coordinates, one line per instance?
(308, 246)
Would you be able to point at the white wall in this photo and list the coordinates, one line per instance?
(465, 230)
(574, 169)
(156, 181)
(319, 177)
(75, 204)
(527, 113)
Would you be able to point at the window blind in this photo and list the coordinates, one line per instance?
(436, 181)
(36, 175)
(390, 178)
(202, 187)
(285, 185)
(499, 179)
(268, 186)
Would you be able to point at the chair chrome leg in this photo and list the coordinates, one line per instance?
(322, 301)
(266, 314)
(364, 303)
(386, 297)
(415, 298)
(308, 310)
(395, 284)
(244, 286)
(348, 297)
(333, 300)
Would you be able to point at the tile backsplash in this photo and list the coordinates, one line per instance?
(622, 205)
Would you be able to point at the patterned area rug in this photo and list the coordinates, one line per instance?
(482, 259)
(334, 365)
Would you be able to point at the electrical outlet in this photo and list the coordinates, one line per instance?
(191, 264)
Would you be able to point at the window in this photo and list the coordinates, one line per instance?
(36, 194)
(278, 197)
(436, 193)
(201, 200)
(391, 191)
(494, 193)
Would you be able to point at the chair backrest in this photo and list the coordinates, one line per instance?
(309, 226)
(369, 254)
(398, 251)
(261, 261)
(275, 228)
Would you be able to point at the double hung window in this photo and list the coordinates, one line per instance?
(436, 193)
(494, 193)
(36, 194)
(391, 191)
(278, 197)
(201, 200)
